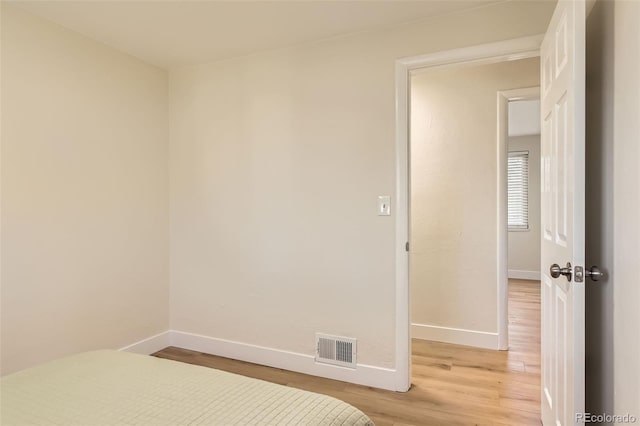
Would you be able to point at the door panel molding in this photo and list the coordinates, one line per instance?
(562, 204)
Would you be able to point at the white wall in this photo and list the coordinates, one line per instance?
(454, 198)
(277, 160)
(613, 208)
(524, 246)
(84, 194)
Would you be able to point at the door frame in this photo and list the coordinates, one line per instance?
(519, 48)
(504, 96)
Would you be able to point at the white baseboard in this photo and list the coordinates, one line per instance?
(523, 275)
(458, 336)
(367, 375)
(150, 344)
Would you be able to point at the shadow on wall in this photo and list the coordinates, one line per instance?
(599, 208)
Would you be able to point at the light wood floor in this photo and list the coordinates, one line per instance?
(452, 385)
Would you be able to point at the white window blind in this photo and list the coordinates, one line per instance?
(518, 191)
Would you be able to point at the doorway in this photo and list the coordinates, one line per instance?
(527, 47)
(458, 176)
(459, 160)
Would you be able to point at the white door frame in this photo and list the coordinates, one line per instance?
(520, 48)
(524, 94)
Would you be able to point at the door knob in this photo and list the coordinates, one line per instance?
(556, 271)
(594, 273)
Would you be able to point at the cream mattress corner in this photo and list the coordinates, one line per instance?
(117, 388)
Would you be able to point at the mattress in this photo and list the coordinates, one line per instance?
(118, 388)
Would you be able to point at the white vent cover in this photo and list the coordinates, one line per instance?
(336, 350)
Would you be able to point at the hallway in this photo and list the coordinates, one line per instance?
(479, 385)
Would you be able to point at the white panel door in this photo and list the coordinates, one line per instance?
(562, 63)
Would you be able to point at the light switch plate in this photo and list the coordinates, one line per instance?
(384, 205)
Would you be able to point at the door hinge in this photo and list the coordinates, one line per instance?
(406, 246)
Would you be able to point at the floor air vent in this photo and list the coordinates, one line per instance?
(336, 350)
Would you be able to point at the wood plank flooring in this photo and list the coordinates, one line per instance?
(452, 384)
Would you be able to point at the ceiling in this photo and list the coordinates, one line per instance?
(171, 33)
(524, 118)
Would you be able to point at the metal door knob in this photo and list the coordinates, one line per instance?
(594, 273)
(556, 271)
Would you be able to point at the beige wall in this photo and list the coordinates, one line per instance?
(524, 246)
(84, 194)
(626, 208)
(277, 160)
(454, 193)
(599, 212)
(613, 208)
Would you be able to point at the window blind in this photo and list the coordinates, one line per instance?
(518, 191)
